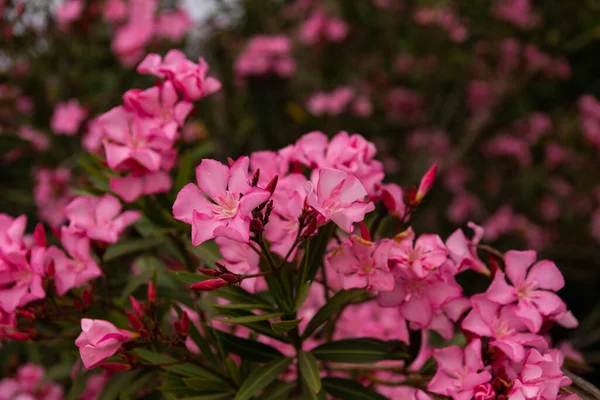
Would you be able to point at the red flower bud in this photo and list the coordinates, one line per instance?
(115, 367)
(78, 304)
(18, 336)
(50, 271)
(133, 320)
(209, 271)
(311, 228)
(87, 296)
(184, 323)
(426, 183)
(230, 161)
(272, 185)
(231, 278)
(25, 314)
(39, 235)
(211, 284)
(256, 225)
(364, 231)
(151, 292)
(137, 307)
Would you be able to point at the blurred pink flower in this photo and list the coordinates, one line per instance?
(67, 117)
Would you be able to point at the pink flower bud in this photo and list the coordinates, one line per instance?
(209, 271)
(426, 183)
(87, 296)
(364, 231)
(133, 320)
(272, 185)
(211, 284)
(184, 323)
(39, 235)
(99, 340)
(137, 307)
(256, 225)
(231, 278)
(115, 367)
(18, 336)
(151, 292)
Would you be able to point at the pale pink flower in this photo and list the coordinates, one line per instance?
(99, 340)
(502, 326)
(266, 55)
(370, 320)
(426, 254)
(402, 392)
(29, 384)
(131, 38)
(51, 194)
(69, 11)
(338, 197)
(459, 371)
(362, 106)
(78, 267)
(67, 117)
(464, 251)
(363, 264)
(94, 386)
(173, 25)
(100, 217)
(541, 377)
(533, 288)
(228, 209)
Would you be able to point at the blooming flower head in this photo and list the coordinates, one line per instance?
(69, 11)
(227, 208)
(464, 251)
(426, 254)
(99, 217)
(99, 340)
(541, 377)
(21, 277)
(266, 55)
(173, 25)
(51, 194)
(339, 197)
(29, 384)
(459, 371)
(534, 287)
(363, 264)
(67, 117)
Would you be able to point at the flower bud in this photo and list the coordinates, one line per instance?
(18, 336)
(137, 307)
(25, 314)
(50, 271)
(209, 271)
(231, 278)
(256, 225)
(39, 235)
(272, 185)
(151, 292)
(184, 323)
(426, 183)
(87, 296)
(364, 232)
(133, 320)
(230, 161)
(115, 367)
(388, 201)
(211, 284)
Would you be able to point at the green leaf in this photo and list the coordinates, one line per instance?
(284, 326)
(361, 351)
(248, 349)
(203, 345)
(213, 396)
(185, 369)
(345, 389)
(302, 294)
(318, 251)
(233, 370)
(125, 247)
(251, 318)
(239, 306)
(262, 377)
(205, 384)
(309, 370)
(236, 294)
(309, 394)
(116, 384)
(132, 390)
(189, 278)
(278, 391)
(261, 326)
(200, 151)
(334, 305)
(184, 173)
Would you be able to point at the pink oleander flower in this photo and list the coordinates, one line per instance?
(99, 217)
(403, 392)
(173, 25)
(402, 104)
(188, 77)
(51, 194)
(228, 209)
(67, 117)
(426, 254)
(363, 264)
(426, 183)
(464, 251)
(370, 320)
(94, 137)
(505, 329)
(533, 288)
(69, 11)
(94, 386)
(99, 340)
(266, 55)
(131, 37)
(392, 196)
(240, 259)
(517, 12)
(338, 197)
(459, 371)
(21, 272)
(29, 384)
(114, 10)
(136, 184)
(419, 299)
(38, 140)
(541, 377)
(319, 28)
(79, 268)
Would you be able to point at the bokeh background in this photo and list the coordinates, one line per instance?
(501, 94)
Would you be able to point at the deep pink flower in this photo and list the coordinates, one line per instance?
(134, 185)
(67, 117)
(114, 10)
(533, 288)
(99, 217)
(541, 377)
(99, 340)
(370, 320)
(79, 268)
(459, 371)
(363, 264)
(464, 251)
(51, 194)
(69, 11)
(228, 209)
(339, 197)
(426, 254)
(173, 25)
(503, 326)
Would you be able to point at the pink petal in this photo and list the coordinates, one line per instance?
(417, 310)
(212, 177)
(238, 180)
(517, 263)
(499, 291)
(548, 303)
(546, 275)
(473, 359)
(128, 188)
(449, 359)
(190, 198)
(107, 208)
(512, 349)
(530, 315)
(203, 227)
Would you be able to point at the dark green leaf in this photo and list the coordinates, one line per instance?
(345, 389)
(317, 251)
(203, 345)
(302, 294)
(236, 294)
(185, 369)
(262, 377)
(239, 306)
(334, 305)
(360, 351)
(278, 391)
(309, 370)
(248, 349)
(116, 384)
(184, 173)
(215, 385)
(251, 318)
(284, 326)
(189, 278)
(132, 390)
(125, 247)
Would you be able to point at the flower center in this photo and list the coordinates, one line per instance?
(226, 206)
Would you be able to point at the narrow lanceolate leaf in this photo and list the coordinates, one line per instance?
(248, 349)
(262, 377)
(302, 294)
(125, 247)
(318, 251)
(236, 294)
(250, 318)
(260, 326)
(345, 389)
(284, 326)
(278, 391)
(189, 278)
(361, 351)
(238, 306)
(184, 369)
(309, 370)
(206, 384)
(335, 304)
